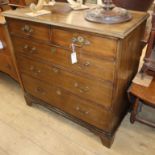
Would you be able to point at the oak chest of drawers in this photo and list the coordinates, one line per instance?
(90, 92)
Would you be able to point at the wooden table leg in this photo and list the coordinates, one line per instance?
(134, 110)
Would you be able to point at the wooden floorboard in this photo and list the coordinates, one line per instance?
(3, 152)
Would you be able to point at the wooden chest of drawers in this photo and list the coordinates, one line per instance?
(6, 60)
(90, 92)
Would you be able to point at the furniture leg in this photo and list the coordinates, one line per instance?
(134, 111)
(29, 100)
(107, 141)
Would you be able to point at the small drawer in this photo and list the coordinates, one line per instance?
(93, 90)
(67, 102)
(91, 44)
(99, 68)
(29, 29)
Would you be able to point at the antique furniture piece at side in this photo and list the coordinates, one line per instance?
(6, 61)
(149, 64)
(143, 95)
(149, 60)
(78, 69)
(139, 5)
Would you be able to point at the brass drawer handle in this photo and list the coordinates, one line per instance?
(55, 70)
(82, 111)
(53, 50)
(81, 89)
(34, 70)
(58, 92)
(80, 40)
(27, 29)
(33, 49)
(8, 66)
(26, 47)
(40, 90)
(29, 49)
(82, 66)
(74, 39)
(86, 64)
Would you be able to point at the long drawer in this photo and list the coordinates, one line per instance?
(67, 102)
(94, 45)
(92, 90)
(100, 68)
(29, 29)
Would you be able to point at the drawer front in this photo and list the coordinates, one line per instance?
(67, 102)
(100, 68)
(6, 65)
(93, 45)
(92, 90)
(29, 29)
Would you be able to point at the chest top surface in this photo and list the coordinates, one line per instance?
(75, 20)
